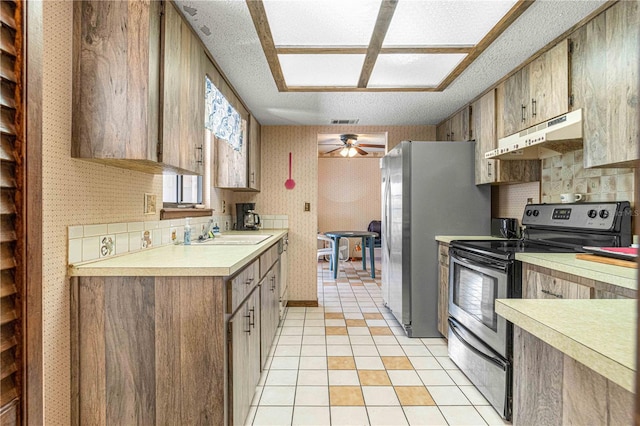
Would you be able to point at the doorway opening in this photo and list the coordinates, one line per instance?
(349, 186)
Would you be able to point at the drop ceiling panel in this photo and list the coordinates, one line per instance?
(321, 70)
(433, 23)
(399, 70)
(325, 23)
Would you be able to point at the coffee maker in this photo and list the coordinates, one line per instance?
(246, 217)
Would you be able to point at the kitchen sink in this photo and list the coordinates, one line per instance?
(232, 239)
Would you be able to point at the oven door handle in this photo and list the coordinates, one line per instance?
(478, 260)
(485, 354)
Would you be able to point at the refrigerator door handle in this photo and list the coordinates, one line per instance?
(387, 215)
(478, 349)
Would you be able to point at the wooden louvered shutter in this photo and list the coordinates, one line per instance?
(11, 157)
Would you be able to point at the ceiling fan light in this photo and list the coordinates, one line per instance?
(344, 151)
(352, 152)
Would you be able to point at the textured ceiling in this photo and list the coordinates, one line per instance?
(228, 32)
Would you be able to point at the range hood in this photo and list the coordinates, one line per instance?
(556, 136)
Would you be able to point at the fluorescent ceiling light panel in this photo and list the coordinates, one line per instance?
(437, 22)
(413, 70)
(321, 70)
(322, 23)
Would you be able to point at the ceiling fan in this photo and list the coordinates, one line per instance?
(350, 146)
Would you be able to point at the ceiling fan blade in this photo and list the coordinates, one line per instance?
(333, 150)
(360, 151)
(368, 145)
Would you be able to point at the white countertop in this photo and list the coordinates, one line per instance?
(448, 238)
(567, 262)
(181, 260)
(599, 333)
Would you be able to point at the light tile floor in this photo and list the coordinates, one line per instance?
(348, 362)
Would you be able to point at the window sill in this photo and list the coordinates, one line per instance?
(176, 213)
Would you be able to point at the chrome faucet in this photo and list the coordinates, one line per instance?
(206, 232)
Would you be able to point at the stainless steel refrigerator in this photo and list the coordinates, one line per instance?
(428, 189)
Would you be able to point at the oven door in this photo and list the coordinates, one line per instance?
(475, 282)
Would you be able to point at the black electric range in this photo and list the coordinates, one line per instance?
(561, 228)
(480, 342)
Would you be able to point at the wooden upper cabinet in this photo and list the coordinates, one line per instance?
(460, 125)
(138, 87)
(604, 82)
(537, 92)
(549, 84)
(116, 69)
(254, 154)
(455, 128)
(514, 92)
(485, 130)
(183, 96)
(442, 131)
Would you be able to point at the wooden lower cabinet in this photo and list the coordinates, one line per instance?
(171, 350)
(148, 350)
(544, 283)
(443, 288)
(551, 388)
(284, 276)
(543, 286)
(244, 353)
(269, 302)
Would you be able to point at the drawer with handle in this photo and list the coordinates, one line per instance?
(241, 285)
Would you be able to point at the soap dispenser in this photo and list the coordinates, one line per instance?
(187, 231)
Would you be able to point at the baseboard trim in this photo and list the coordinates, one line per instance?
(302, 304)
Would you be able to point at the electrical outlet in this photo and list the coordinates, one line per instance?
(307, 207)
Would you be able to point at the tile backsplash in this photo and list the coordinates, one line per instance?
(565, 173)
(92, 242)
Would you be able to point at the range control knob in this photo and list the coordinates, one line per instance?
(528, 212)
(592, 213)
(536, 213)
(604, 214)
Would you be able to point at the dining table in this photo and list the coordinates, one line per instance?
(366, 236)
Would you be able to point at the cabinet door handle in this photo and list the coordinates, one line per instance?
(273, 283)
(201, 160)
(252, 317)
(253, 177)
(452, 138)
(249, 281)
(448, 136)
(248, 330)
(559, 296)
(522, 111)
(489, 168)
(533, 107)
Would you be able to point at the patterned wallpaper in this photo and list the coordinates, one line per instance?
(509, 200)
(277, 142)
(349, 195)
(75, 192)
